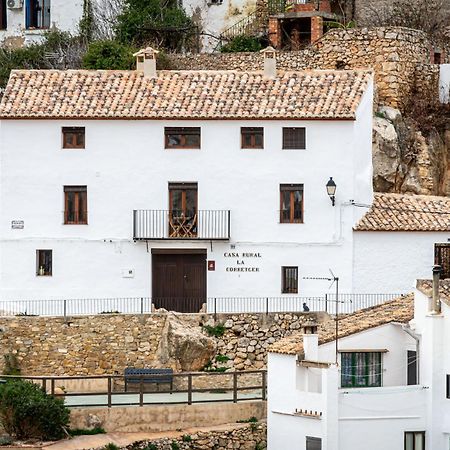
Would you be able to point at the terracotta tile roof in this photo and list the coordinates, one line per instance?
(76, 94)
(426, 287)
(401, 212)
(400, 310)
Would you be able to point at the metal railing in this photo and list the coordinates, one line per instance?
(154, 224)
(282, 6)
(348, 303)
(250, 25)
(186, 388)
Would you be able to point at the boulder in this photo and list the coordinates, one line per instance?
(93, 421)
(184, 347)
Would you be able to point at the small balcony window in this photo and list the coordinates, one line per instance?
(73, 137)
(44, 263)
(182, 137)
(291, 203)
(252, 137)
(3, 17)
(442, 258)
(361, 369)
(294, 138)
(75, 200)
(37, 14)
(289, 279)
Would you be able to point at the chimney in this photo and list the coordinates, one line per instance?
(436, 308)
(146, 62)
(270, 63)
(311, 347)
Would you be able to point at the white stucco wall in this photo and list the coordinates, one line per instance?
(64, 15)
(125, 167)
(393, 260)
(444, 83)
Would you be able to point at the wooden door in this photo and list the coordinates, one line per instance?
(179, 281)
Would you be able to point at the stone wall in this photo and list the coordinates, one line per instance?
(107, 344)
(244, 437)
(393, 53)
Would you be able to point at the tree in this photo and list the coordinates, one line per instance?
(431, 16)
(161, 23)
(105, 13)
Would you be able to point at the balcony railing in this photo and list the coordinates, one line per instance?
(152, 224)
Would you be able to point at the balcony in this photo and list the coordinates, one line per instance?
(152, 224)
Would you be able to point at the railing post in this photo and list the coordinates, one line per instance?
(52, 388)
(189, 388)
(264, 384)
(229, 224)
(142, 305)
(44, 384)
(326, 302)
(65, 309)
(109, 391)
(141, 391)
(267, 306)
(235, 385)
(215, 309)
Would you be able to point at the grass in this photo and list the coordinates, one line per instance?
(83, 431)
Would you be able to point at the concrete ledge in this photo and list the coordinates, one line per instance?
(160, 418)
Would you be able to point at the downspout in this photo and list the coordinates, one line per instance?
(406, 328)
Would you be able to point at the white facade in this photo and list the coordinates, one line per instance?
(21, 29)
(394, 257)
(373, 417)
(125, 167)
(444, 83)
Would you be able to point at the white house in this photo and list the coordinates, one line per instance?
(390, 388)
(186, 186)
(24, 22)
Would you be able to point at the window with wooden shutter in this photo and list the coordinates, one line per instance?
(44, 263)
(291, 203)
(252, 137)
(73, 137)
(294, 138)
(442, 258)
(289, 283)
(182, 137)
(75, 201)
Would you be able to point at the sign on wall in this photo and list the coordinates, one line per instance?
(17, 224)
(242, 261)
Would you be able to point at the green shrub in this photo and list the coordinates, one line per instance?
(26, 412)
(222, 358)
(174, 446)
(242, 44)
(111, 446)
(186, 438)
(151, 447)
(83, 431)
(216, 331)
(109, 55)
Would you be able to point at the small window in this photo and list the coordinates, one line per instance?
(73, 137)
(294, 138)
(252, 137)
(414, 440)
(361, 369)
(75, 200)
(448, 386)
(291, 203)
(437, 58)
(313, 443)
(411, 378)
(43, 263)
(289, 276)
(183, 137)
(3, 16)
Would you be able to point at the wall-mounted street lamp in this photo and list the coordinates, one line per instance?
(331, 190)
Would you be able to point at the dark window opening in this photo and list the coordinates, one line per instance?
(182, 137)
(437, 58)
(3, 17)
(73, 137)
(291, 203)
(75, 200)
(414, 440)
(442, 258)
(252, 137)
(448, 386)
(313, 443)
(295, 33)
(361, 369)
(294, 138)
(289, 277)
(43, 262)
(412, 368)
(37, 14)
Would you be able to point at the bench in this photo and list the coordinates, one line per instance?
(148, 376)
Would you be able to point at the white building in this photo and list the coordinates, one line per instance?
(389, 390)
(24, 22)
(188, 185)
